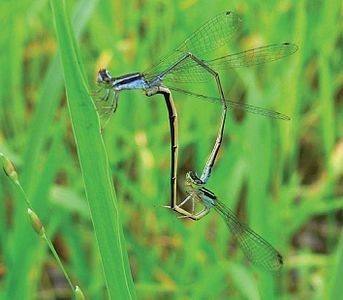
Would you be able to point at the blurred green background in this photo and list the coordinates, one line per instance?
(283, 178)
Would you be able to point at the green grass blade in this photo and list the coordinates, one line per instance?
(336, 275)
(94, 164)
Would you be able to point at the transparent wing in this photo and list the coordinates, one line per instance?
(237, 105)
(189, 71)
(214, 34)
(253, 57)
(255, 248)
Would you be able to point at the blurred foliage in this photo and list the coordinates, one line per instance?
(282, 178)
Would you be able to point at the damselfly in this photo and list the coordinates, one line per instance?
(255, 248)
(192, 62)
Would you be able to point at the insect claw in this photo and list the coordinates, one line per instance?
(183, 217)
(166, 206)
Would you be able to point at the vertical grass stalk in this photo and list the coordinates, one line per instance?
(94, 163)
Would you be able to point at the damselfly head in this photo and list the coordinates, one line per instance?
(104, 77)
(193, 180)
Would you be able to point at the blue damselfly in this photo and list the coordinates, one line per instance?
(193, 62)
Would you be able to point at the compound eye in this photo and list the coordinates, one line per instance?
(104, 76)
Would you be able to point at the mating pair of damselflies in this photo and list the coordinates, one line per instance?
(191, 62)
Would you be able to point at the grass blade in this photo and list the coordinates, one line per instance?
(94, 163)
